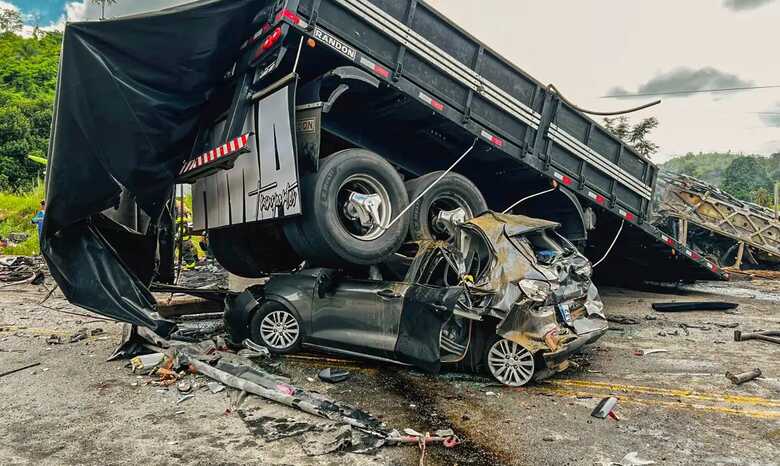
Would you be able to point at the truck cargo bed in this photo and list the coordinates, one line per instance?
(415, 50)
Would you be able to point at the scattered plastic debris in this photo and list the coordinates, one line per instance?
(739, 379)
(215, 387)
(646, 352)
(332, 375)
(632, 459)
(605, 408)
(147, 362)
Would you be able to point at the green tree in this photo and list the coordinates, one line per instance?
(28, 73)
(746, 178)
(10, 20)
(637, 135)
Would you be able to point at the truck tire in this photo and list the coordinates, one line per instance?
(452, 192)
(253, 250)
(330, 233)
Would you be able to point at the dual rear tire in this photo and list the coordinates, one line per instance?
(349, 206)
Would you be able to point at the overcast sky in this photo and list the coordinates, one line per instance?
(590, 49)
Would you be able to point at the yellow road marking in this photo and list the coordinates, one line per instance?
(677, 393)
(669, 404)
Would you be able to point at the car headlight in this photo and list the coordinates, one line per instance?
(535, 290)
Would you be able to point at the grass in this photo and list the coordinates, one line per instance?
(16, 212)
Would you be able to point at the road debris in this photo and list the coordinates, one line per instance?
(605, 408)
(633, 459)
(623, 320)
(695, 306)
(147, 362)
(332, 375)
(78, 336)
(13, 371)
(647, 352)
(771, 336)
(215, 387)
(743, 377)
(184, 398)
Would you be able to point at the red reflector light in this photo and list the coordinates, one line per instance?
(271, 40)
(381, 71)
(629, 216)
(670, 242)
(566, 180)
(289, 15)
(600, 199)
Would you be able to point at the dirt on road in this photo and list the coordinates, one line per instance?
(675, 406)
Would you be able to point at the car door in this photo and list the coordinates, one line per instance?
(361, 316)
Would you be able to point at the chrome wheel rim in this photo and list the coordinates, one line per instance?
(367, 185)
(444, 203)
(510, 363)
(279, 330)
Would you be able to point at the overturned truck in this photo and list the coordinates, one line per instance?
(321, 139)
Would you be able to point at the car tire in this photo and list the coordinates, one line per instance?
(508, 362)
(253, 250)
(325, 234)
(277, 328)
(452, 192)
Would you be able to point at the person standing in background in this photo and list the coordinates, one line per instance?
(38, 219)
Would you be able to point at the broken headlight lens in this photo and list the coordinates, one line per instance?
(535, 290)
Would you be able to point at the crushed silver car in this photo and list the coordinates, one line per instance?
(508, 296)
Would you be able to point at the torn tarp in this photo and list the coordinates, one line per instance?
(129, 94)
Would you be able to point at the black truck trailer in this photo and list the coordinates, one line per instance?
(399, 80)
(331, 131)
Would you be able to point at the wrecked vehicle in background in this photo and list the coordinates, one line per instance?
(505, 298)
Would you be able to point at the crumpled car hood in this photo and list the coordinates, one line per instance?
(540, 305)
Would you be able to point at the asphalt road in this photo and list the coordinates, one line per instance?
(675, 407)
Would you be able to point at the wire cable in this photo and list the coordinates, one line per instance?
(552, 88)
(691, 91)
(530, 197)
(609, 249)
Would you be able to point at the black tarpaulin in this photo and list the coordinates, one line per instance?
(129, 95)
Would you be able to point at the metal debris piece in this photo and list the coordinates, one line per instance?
(20, 369)
(623, 320)
(215, 387)
(771, 336)
(147, 362)
(78, 336)
(604, 408)
(695, 306)
(743, 377)
(332, 375)
(184, 398)
(650, 351)
(96, 331)
(184, 387)
(632, 459)
(249, 344)
(54, 340)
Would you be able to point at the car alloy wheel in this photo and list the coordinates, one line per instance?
(510, 363)
(279, 330)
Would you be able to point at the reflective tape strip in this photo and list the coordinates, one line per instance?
(566, 180)
(493, 139)
(667, 240)
(598, 161)
(626, 215)
(431, 101)
(597, 197)
(415, 42)
(217, 153)
(486, 89)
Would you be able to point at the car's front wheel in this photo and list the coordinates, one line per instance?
(277, 328)
(510, 363)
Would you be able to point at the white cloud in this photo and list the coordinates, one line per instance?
(8, 6)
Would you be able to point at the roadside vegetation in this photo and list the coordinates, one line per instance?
(16, 212)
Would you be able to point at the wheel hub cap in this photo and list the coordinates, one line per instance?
(510, 363)
(279, 330)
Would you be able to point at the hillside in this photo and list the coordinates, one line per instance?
(748, 177)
